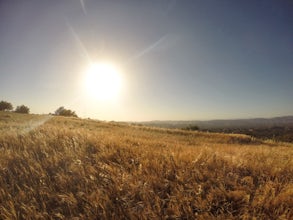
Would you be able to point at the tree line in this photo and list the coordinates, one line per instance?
(61, 111)
(7, 106)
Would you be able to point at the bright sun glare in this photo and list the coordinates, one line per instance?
(103, 81)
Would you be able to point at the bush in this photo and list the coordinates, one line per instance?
(5, 106)
(22, 109)
(65, 112)
(192, 128)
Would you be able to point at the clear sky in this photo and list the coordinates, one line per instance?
(179, 60)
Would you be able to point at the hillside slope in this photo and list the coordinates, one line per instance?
(60, 168)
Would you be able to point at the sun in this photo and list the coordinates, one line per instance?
(103, 81)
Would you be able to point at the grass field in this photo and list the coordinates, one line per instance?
(69, 168)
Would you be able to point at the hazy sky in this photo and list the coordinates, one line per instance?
(184, 59)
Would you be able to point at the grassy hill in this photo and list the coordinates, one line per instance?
(69, 168)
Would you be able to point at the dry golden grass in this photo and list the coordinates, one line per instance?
(66, 168)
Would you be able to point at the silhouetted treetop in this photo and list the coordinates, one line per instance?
(65, 112)
(22, 109)
(5, 106)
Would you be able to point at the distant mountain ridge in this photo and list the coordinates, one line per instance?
(286, 121)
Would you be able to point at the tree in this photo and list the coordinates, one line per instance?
(61, 111)
(5, 106)
(22, 109)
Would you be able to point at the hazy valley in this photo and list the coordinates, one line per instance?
(278, 128)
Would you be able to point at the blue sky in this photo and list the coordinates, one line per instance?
(180, 60)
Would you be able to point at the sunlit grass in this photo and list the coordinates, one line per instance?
(66, 167)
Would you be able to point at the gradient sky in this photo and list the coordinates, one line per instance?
(180, 60)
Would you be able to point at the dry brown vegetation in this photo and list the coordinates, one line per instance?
(68, 168)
